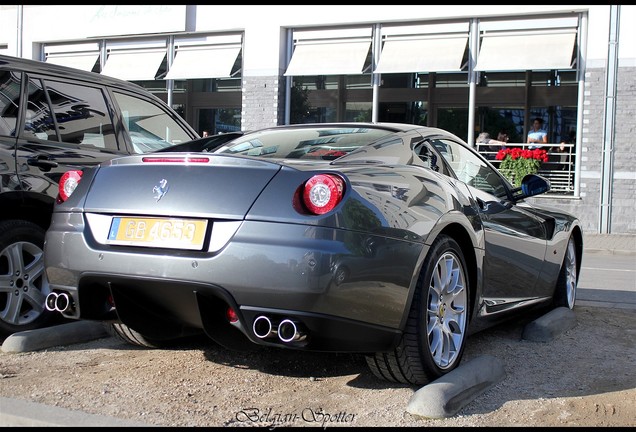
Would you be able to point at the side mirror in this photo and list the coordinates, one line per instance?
(533, 184)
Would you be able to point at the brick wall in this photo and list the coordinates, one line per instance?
(623, 204)
(623, 219)
(263, 102)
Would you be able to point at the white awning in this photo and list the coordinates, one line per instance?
(84, 62)
(329, 58)
(516, 52)
(134, 65)
(422, 55)
(207, 62)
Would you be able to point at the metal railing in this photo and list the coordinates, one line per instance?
(559, 168)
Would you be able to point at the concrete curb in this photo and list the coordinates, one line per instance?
(63, 334)
(550, 325)
(448, 394)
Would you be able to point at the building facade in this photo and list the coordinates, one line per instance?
(467, 69)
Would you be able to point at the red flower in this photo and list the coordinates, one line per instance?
(516, 153)
(501, 154)
(517, 162)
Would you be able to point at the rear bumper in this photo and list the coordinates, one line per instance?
(347, 291)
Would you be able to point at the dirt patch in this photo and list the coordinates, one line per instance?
(583, 378)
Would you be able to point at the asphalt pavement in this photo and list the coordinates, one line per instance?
(608, 274)
(608, 279)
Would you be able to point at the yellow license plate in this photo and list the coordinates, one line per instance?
(158, 232)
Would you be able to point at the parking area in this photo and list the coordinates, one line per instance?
(556, 382)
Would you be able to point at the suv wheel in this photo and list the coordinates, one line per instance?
(23, 282)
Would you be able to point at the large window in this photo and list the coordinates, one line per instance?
(422, 76)
(222, 120)
(196, 73)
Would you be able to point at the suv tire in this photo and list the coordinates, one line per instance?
(23, 282)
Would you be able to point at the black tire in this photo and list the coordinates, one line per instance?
(23, 282)
(565, 292)
(435, 335)
(133, 337)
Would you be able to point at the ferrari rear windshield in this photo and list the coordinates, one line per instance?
(326, 143)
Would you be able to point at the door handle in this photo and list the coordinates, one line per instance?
(43, 162)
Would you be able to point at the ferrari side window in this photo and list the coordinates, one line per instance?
(431, 157)
(469, 168)
(447, 152)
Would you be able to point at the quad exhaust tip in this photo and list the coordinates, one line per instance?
(287, 330)
(263, 327)
(58, 302)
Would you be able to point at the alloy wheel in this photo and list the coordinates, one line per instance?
(23, 283)
(446, 312)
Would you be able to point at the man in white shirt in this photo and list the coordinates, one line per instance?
(537, 136)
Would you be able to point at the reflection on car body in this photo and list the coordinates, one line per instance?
(396, 249)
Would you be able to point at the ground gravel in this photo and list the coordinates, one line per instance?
(585, 377)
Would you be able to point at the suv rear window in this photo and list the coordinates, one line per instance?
(149, 128)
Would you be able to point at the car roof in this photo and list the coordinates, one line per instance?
(50, 69)
(395, 127)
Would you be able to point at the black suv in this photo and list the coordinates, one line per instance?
(54, 119)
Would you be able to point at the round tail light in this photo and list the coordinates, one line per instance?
(322, 193)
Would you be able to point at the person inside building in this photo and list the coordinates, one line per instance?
(489, 146)
(503, 137)
(562, 154)
(537, 136)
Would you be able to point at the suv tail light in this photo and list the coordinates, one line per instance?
(68, 183)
